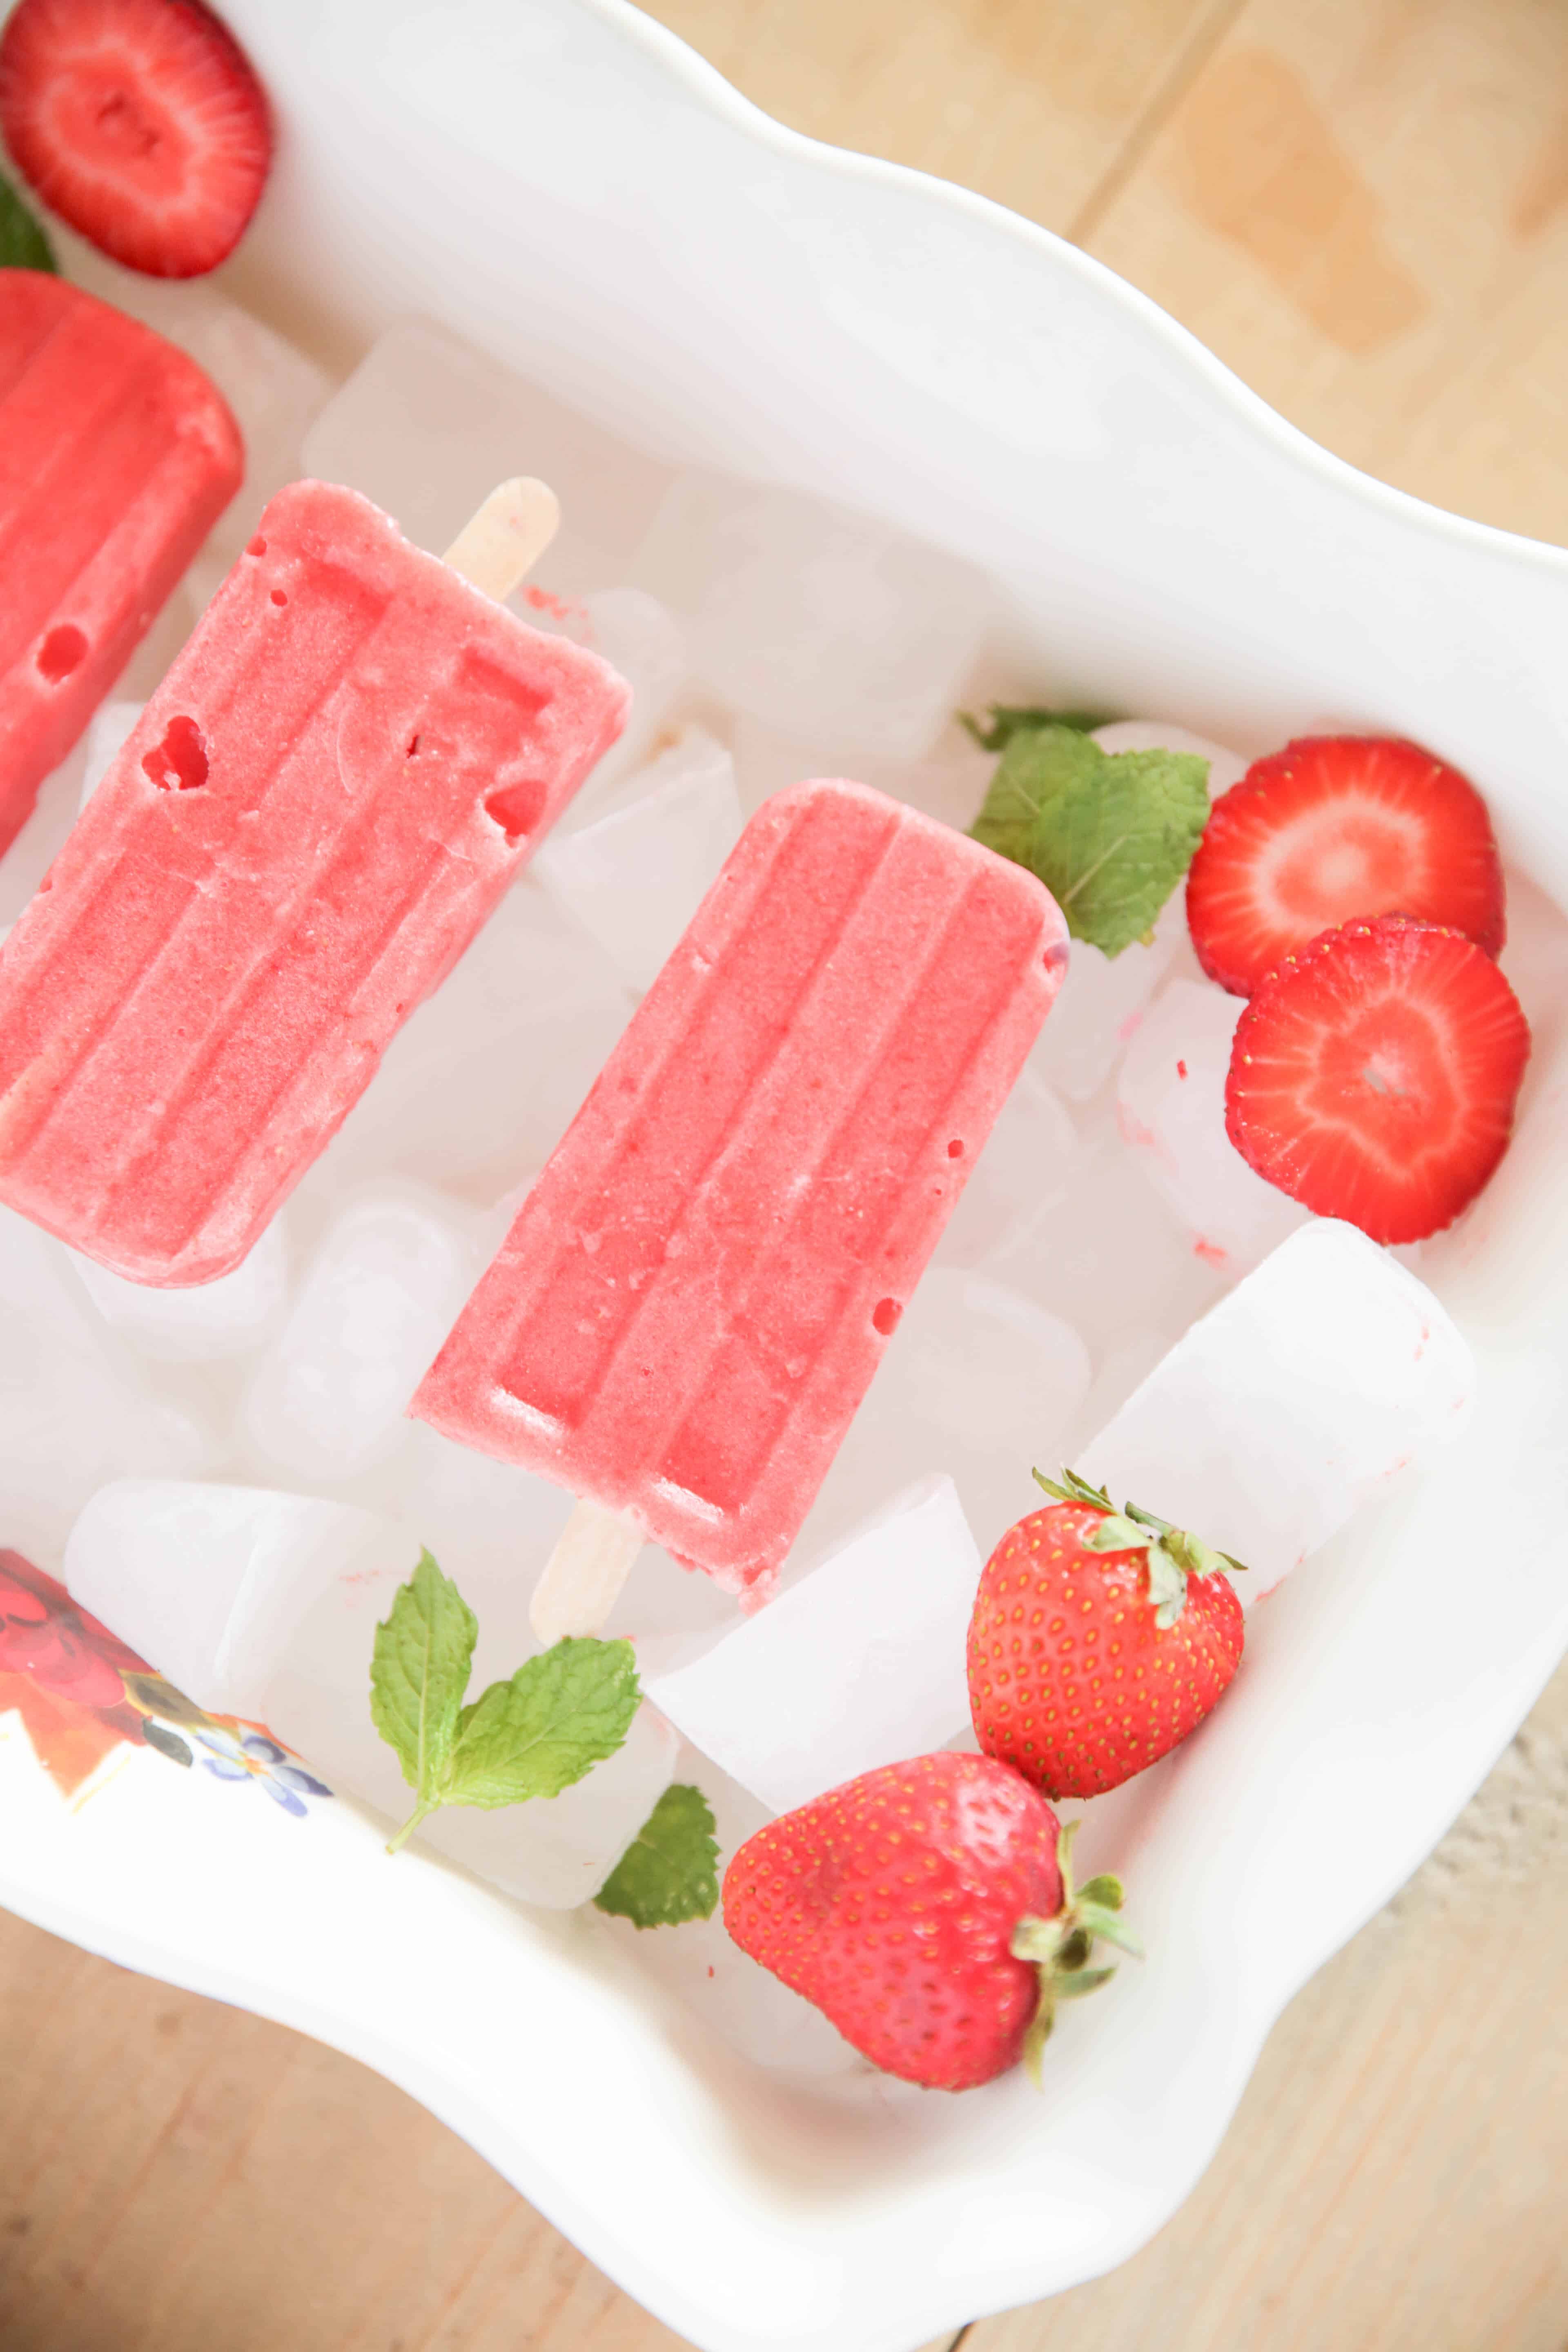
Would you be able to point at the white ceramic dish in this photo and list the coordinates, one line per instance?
(563, 182)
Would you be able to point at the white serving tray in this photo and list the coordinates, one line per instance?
(566, 183)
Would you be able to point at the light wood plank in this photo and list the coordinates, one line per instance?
(1395, 2175)
(176, 2175)
(1030, 101)
(1364, 211)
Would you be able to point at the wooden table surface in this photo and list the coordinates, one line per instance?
(1363, 206)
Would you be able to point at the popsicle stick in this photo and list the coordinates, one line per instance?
(501, 541)
(585, 1573)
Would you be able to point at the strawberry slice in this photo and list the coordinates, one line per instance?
(1374, 1074)
(1330, 828)
(140, 122)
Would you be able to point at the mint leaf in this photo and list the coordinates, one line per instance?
(419, 1671)
(533, 1736)
(23, 245)
(669, 1872)
(1110, 835)
(1008, 720)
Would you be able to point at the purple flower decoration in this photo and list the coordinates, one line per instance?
(254, 1757)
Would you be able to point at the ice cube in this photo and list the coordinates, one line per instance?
(636, 876)
(1099, 1005)
(426, 425)
(1109, 1257)
(1025, 1168)
(206, 1582)
(978, 1381)
(948, 782)
(215, 1318)
(722, 1987)
(265, 1605)
(1319, 1378)
(641, 638)
(380, 1295)
(111, 723)
(814, 619)
(71, 1413)
(1171, 1107)
(859, 1664)
(481, 1083)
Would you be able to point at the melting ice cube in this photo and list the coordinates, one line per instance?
(1171, 1104)
(214, 1318)
(814, 620)
(380, 1295)
(427, 424)
(1319, 1378)
(636, 876)
(859, 1664)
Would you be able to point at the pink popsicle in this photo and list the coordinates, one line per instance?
(337, 780)
(691, 1301)
(117, 457)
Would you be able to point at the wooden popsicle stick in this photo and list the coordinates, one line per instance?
(501, 541)
(585, 1573)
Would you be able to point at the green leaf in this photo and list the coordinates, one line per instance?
(167, 1743)
(420, 1664)
(1008, 720)
(560, 1715)
(23, 245)
(669, 1872)
(1110, 835)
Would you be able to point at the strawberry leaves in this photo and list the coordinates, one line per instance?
(1060, 1947)
(531, 1736)
(1173, 1554)
(1110, 835)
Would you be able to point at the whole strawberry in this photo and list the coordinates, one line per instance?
(927, 1910)
(1099, 1641)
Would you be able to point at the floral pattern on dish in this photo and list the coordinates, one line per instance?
(82, 1693)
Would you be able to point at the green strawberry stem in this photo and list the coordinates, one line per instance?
(1059, 1947)
(1174, 1555)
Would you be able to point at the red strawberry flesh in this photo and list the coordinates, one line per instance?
(140, 122)
(1333, 828)
(890, 1903)
(1373, 1078)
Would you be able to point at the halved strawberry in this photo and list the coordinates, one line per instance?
(1331, 828)
(140, 122)
(1374, 1074)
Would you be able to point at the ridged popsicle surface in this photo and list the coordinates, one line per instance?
(331, 789)
(693, 1297)
(117, 455)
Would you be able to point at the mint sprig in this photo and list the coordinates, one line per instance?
(560, 1715)
(23, 245)
(1008, 718)
(1109, 834)
(669, 1872)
